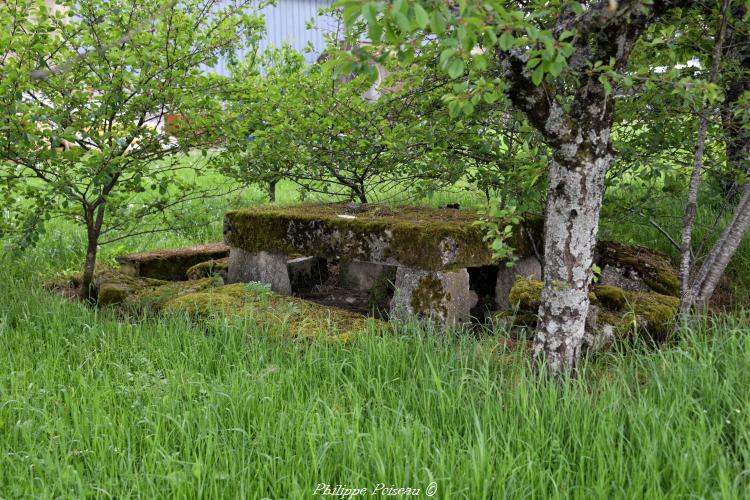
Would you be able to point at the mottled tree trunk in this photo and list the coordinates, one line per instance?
(572, 220)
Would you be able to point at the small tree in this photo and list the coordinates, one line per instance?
(84, 95)
(327, 134)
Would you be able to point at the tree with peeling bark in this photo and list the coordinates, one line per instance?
(85, 92)
(561, 64)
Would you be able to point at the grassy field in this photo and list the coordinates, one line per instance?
(92, 405)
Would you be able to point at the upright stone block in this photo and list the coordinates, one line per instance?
(264, 267)
(364, 276)
(444, 297)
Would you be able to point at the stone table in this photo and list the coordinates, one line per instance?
(430, 248)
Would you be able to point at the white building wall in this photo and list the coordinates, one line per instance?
(286, 22)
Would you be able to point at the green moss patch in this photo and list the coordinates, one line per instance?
(209, 268)
(287, 315)
(170, 264)
(627, 312)
(423, 238)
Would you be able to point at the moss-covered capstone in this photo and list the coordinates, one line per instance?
(654, 268)
(170, 264)
(422, 238)
(626, 312)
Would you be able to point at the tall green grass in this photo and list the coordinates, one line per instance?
(96, 405)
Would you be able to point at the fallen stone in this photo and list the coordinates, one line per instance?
(635, 268)
(443, 297)
(262, 267)
(365, 275)
(170, 264)
(626, 313)
(272, 313)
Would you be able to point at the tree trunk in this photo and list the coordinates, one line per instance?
(737, 138)
(717, 261)
(272, 191)
(572, 221)
(94, 219)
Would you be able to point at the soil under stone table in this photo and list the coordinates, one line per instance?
(415, 261)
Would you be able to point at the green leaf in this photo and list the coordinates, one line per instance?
(605, 83)
(456, 67)
(437, 23)
(421, 16)
(538, 75)
(506, 40)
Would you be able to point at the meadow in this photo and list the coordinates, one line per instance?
(93, 404)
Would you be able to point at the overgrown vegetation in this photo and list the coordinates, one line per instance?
(96, 404)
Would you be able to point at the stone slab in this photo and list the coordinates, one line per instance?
(263, 267)
(170, 264)
(365, 275)
(421, 238)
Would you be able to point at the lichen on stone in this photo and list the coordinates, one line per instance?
(428, 297)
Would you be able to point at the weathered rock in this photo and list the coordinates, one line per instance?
(306, 272)
(170, 264)
(209, 268)
(528, 267)
(421, 238)
(444, 297)
(365, 275)
(636, 268)
(262, 267)
(623, 278)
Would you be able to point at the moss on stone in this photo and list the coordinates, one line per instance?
(526, 294)
(423, 238)
(201, 305)
(611, 297)
(271, 312)
(155, 297)
(653, 267)
(627, 312)
(214, 267)
(113, 287)
(429, 296)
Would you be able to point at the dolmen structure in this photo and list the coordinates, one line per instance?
(338, 263)
(429, 254)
